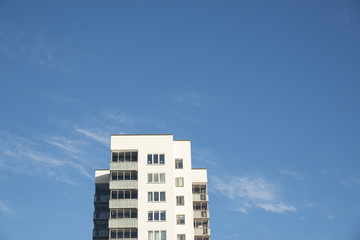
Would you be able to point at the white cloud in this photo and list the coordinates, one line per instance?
(99, 137)
(248, 192)
(295, 175)
(203, 156)
(191, 98)
(5, 208)
(122, 119)
(351, 181)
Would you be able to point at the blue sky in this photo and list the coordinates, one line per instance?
(268, 92)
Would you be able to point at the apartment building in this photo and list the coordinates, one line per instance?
(150, 191)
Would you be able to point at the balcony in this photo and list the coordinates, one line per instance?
(123, 166)
(200, 197)
(201, 214)
(123, 222)
(101, 198)
(202, 231)
(123, 184)
(101, 216)
(123, 203)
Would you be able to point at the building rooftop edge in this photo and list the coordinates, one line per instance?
(198, 168)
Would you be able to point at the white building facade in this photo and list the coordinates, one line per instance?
(150, 191)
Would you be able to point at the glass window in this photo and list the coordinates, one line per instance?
(149, 177)
(114, 156)
(114, 176)
(133, 175)
(162, 177)
(179, 181)
(156, 233)
(163, 235)
(113, 194)
(113, 234)
(126, 233)
(134, 194)
(162, 159)
(180, 200)
(133, 233)
(120, 175)
(156, 159)
(133, 213)
(127, 157)
(113, 213)
(181, 237)
(156, 177)
(163, 215)
(156, 196)
(150, 235)
(150, 196)
(156, 216)
(180, 219)
(120, 233)
(162, 196)
(150, 216)
(120, 213)
(149, 159)
(179, 163)
(121, 194)
(134, 156)
(126, 213)
(121, 156)
(127, 194)
(127, 175)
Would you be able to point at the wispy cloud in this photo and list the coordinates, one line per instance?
(294, 175)
(191, 98)
(122, 119)
(60, 99)
(6, 209)
(352, 181)
(203, 156)
(97, 136)
(233, 236)
(248, 192)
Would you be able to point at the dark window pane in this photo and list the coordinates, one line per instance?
(133, 175)
(121, 156)
(163, 216)
(162, 159)
(113, 234)
(162, 196)
(113, 194)
(134, 194)
(134, 156)
(156, 196)
(127, 194)
(149, 159)
(156, 159)
(126, 233)
(120, 213)
(127, 175)
(114, 176)
(150, 216)
(127, 156)
(121, 194)
(156, 215)
(120, 175)
(113, 213)
(133, 213)
(114, 156)
(120, 233)
(126, 213)
(133, 233)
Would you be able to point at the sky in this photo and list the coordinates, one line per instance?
(268, 92)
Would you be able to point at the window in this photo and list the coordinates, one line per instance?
(179, 163)
(123, 213)
(157, 235)
(124, 194)
(124, 156)
(181, 237)
(179, 181)
(180, 219)
(157, 216)
(156, 178)
(180, 200)
(154, 159)
(156, 197)
(123, 175)
(123, 233)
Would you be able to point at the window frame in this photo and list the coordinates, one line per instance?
(179, 182)
(179, 202)
(178, 162)
(179, 219)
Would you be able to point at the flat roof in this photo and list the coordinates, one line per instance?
(199, 169)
